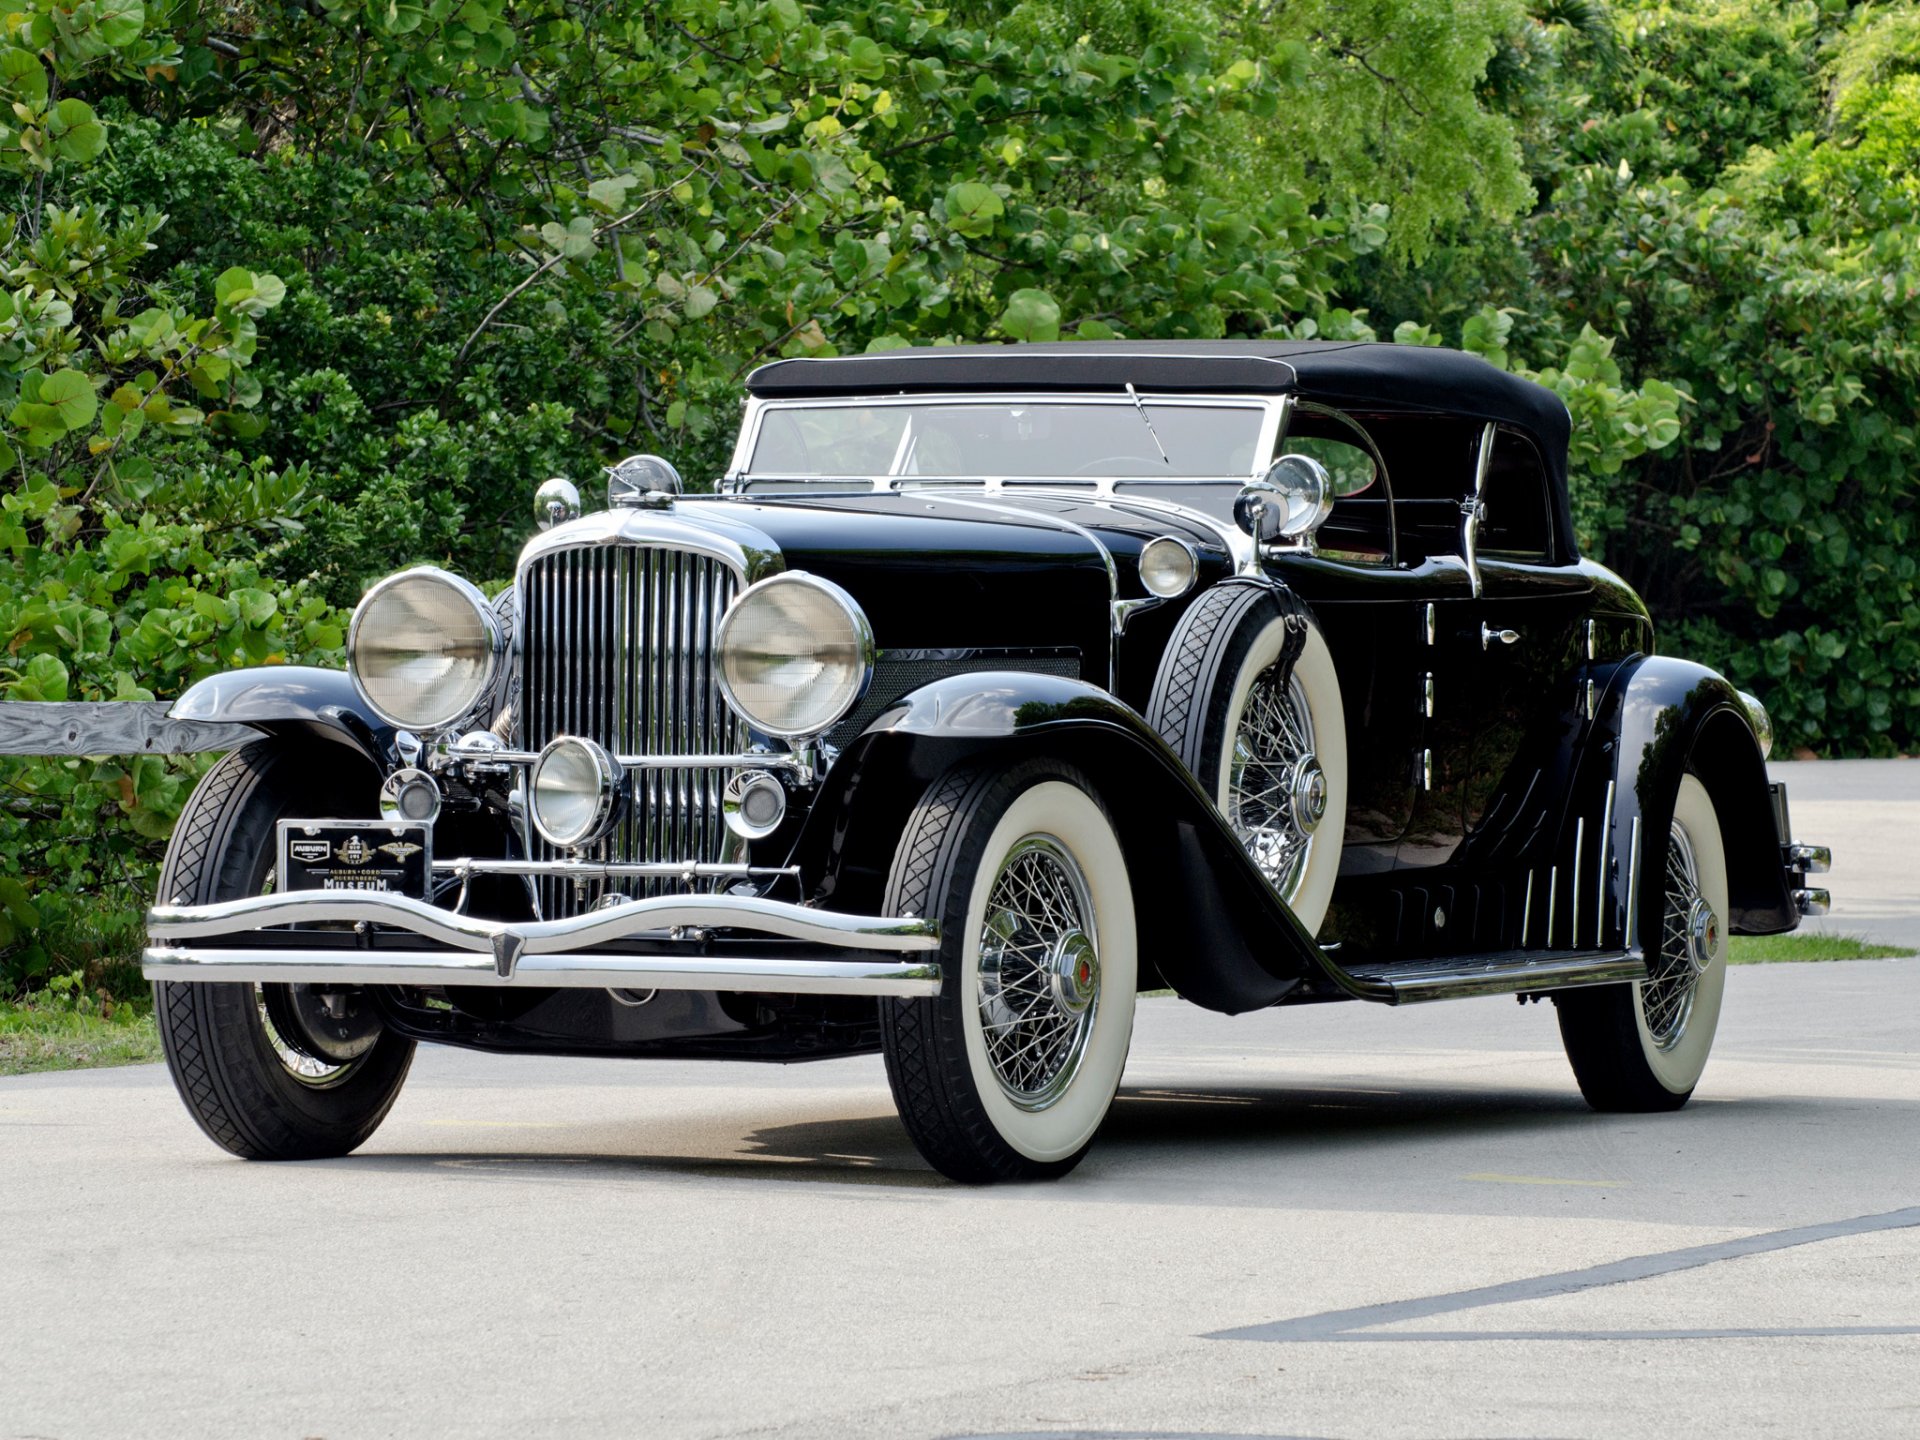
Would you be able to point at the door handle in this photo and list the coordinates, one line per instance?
(1488, 635)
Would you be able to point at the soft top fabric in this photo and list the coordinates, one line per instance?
(1351, 374)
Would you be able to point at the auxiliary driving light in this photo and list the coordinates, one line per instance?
(575, 790)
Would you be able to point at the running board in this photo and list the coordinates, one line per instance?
(1509, 972)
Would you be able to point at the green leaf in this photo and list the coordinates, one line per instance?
(119, 22)
(1031, 315)
(23, 77)
(69, 395)
(43, 677)
(213, 607)
(229, 286)
(13, 896)
(869, 61)
(972, 208)
(700, 302)
(77, 133)
(256, 607)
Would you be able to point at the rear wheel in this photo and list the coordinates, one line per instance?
(1009, 1071)
(1642, 1047)
(269, 1072)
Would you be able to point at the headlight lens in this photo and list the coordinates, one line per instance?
(796, 653)
(1167, 567)
(575, 787)
(422, 648)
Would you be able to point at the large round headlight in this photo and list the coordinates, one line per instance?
(422, 648)
(796, 653)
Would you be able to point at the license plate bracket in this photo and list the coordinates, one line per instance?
(355, 855)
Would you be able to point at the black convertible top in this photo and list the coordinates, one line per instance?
(1348, 373)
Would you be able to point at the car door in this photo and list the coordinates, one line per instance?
(1520, 636)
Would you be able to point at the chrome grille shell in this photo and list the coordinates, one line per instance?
(616, 646)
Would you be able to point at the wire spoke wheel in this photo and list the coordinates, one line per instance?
(298, 1055)
(1640, 1048)
(1276, 789)
(1689, 934)
(1039, 972)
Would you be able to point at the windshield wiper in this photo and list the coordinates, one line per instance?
(1134, 396)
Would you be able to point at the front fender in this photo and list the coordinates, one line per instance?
(1208, 920)
(1661, 718)
(297, 701)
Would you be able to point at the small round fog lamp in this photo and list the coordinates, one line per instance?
(754, 804)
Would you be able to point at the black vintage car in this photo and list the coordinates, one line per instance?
(993, 686)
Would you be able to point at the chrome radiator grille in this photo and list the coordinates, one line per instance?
(617, 646)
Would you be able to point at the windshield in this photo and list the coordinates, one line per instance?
(1024, 439)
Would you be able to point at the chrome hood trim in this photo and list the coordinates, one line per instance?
(749, 551)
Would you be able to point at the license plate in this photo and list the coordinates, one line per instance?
(355, 855)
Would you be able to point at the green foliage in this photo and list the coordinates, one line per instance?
(1774, 281)
(293, 295)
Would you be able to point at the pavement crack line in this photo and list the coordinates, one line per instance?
(1353, 1325)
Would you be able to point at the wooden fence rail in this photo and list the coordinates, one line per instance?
(110, 727)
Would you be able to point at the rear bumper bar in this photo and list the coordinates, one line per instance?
(677, 942)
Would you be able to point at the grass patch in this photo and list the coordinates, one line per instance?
(57, 1036)
(1784, 949)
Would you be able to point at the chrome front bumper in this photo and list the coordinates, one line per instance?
(665, 943)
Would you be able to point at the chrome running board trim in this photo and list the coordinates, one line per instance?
(901, 979)
(544, 937)
(1513, 973)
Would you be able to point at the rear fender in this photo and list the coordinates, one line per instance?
(1660, 719)
(295, 702)
(1208, 921)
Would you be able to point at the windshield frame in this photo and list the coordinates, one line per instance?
(739, 478)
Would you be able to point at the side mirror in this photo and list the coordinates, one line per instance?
(643, 480)
(555, 502)
(1291, 501)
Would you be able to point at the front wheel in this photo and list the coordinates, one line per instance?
(1009, 1071)
(269, 1072)
(1642, 1047)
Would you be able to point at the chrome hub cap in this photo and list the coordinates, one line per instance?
(1039, 972)
(1308, 794)
(1075, 972)
(1689, 939)
(1276, 789)
(1703, 935)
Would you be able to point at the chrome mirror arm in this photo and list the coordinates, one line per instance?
(1473, 511)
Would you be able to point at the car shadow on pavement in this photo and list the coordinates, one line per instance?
(1175, 1130)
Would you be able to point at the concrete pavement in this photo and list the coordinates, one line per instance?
(1331, 1221)
(1336, 1221)
(1869, 812)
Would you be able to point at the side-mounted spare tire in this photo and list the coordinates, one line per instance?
(1247, 697)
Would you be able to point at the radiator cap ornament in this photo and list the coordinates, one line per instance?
(643, 482)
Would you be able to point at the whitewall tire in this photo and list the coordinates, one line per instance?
(1643, 1046)
(1009, 1072)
